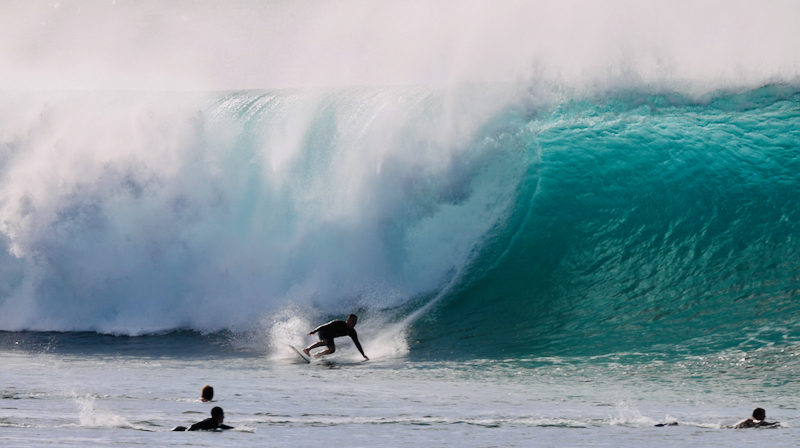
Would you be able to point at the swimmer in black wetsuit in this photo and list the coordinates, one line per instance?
(215, 422)
(335, 329)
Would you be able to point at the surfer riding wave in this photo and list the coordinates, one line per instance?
(335, 329)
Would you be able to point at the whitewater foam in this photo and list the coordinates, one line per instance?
(135, 213)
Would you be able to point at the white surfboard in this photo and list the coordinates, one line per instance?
(302, 355)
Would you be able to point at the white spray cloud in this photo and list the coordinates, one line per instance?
(140, 212)
(215, 44)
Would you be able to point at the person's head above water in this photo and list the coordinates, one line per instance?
(207, 394)
(351, 320)
(759, 414)
(217, 414)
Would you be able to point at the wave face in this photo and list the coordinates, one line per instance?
(583, 225)
(649, 222)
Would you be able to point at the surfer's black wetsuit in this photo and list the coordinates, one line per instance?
(207, 425)
(336, 329)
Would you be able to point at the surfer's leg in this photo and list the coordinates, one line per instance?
(314, 345)
(331, 349)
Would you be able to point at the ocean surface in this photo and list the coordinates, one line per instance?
(534, 260)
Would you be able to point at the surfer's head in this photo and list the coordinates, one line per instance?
(217, 414)
(351, 320)
(207, 394)
(759, 414)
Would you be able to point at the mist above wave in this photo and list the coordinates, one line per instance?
(213, 45)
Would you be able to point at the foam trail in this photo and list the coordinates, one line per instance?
(391, 340)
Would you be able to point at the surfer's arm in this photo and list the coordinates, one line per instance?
(225, 427)
(321, 327)
(354, 337)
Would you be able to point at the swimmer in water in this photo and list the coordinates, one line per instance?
(207, 394)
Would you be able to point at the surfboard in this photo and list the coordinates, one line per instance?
(302, 355)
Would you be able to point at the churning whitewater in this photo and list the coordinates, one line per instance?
(137, 213)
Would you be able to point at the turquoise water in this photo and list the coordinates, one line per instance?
(644, 222)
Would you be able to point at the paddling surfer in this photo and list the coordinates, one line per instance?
(335, 329)
(209, 424)
(756, 420)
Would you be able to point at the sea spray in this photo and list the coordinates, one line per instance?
(132, 213)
